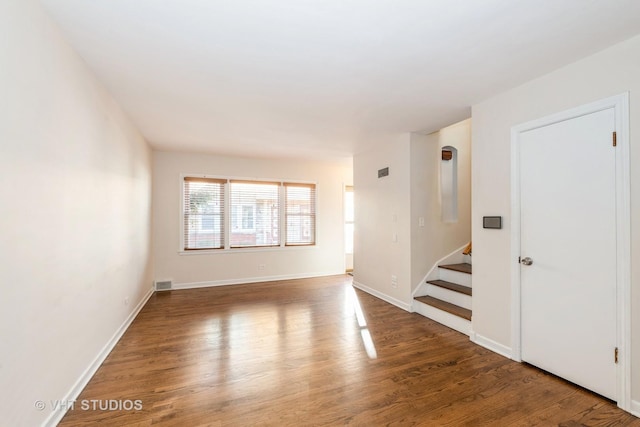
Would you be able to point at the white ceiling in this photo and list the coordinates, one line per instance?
(321, 78)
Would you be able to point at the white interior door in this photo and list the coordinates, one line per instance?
(568, 230)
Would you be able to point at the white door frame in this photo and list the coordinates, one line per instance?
(620, 103)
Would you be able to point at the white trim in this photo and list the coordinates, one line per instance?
(454, 276)
(444, 318)
(620, 104)
(226, 216)
(244, 281)
(384, 297)
(245, 178)
(282, 217)
(245, 250)
(56, 416)
(490, 344)
(623, 208)
(430, 275)
(447, 295)
(635, 408)
(181, 239)
(516, 350)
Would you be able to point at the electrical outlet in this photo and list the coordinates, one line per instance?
(126, 300)
(261, 267)
(421, 221)
(394, 281)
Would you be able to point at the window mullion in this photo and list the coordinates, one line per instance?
(227, 215)
(282, 216)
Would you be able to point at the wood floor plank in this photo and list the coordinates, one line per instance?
(317, 352)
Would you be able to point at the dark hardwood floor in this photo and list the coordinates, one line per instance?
(317, 352)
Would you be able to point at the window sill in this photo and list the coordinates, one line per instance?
(246, 250)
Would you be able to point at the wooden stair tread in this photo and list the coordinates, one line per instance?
(451, 286)
(462, 267)
(445, 306)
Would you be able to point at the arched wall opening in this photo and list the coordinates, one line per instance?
(449, 184)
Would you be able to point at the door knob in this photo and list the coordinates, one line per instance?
(526, 261)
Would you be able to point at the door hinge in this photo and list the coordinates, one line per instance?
(615, 355)
(519, 260)
(615, 139)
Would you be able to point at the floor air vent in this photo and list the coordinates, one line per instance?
(163, 285)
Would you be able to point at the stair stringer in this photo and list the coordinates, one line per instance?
(454, 257)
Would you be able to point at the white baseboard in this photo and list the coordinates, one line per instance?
(490, 344)
(382, 296)
(635, 408)
(80, 384)
(227, 282)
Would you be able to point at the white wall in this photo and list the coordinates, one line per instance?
(326, 257)
(605, 74)
(393, 205)
(76, 209)
(382, 210)
(438, 238)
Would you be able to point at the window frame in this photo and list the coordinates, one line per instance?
(312, 214)
(230, 213)
(347, 222)
(227, 216)
(184, 216)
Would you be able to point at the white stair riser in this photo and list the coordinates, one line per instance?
(467, 259)
(461, 300)
(447, 319)
(455, 277)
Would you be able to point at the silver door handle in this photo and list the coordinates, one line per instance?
(526, 261)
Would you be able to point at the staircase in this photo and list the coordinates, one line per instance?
(447, 300)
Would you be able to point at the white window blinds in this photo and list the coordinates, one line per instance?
(300, 214)
(203, 213)
(255, 214)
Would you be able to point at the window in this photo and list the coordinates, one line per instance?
(349, 228)
(300, 213)
(348, 220)
(231, 214)
(255, 216)
(203, 213)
